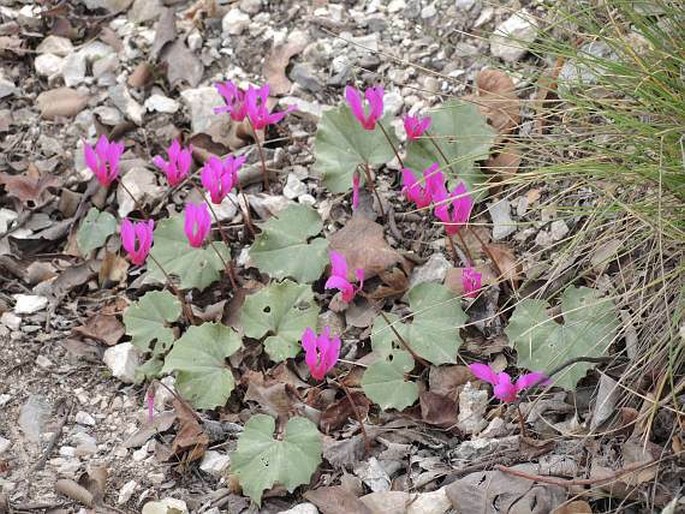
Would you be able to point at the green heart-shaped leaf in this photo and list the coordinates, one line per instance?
(282, 310)
(147, 320)
(283, 249)
(261, 461)
(95, 228)
(199, 357)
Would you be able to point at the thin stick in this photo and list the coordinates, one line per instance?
(401, 339)
(365, 436)
(228, 266)
(370, 182)
(387, 137)
(576, 481)
(442, 154)
(55, 437)
(466, 249)
(453, 250)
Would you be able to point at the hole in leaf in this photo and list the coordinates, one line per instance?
(266, 309)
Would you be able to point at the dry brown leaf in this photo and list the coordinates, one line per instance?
(30, 187)
(574, 507)
(165, 32)
(498, 101)
(336, 500)
(438, 410)
(276, 398)
(112, 270)
(62, 101)
(278, 60)
(505, 263)
(183, 66)
(190, 440)
(103, 327)
(505, 163)
(141, 76)
(336, 415)
(363, 244)
(446, 380)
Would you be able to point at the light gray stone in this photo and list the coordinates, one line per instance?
(215, 463)
(7, 88)
(235, 22)
(83, 418)
(57, 45)
(166, 506)
(250, 6)
(294, 187)
(472, 405)
(558, 229)
(302, 508)
(48, 65)
(201, 102)
(5, 445)
(144, 10)
(126, 492)
(29, 303)
(161, 103)
(122, 360)
(122, 99)
(512, 37)
(502, 224)
(10, 320)
(434, 270)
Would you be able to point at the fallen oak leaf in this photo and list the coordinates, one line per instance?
(278, 60)
(62, 101)
(362, 243)
(31, 188)
(497, 100)
(336, 415)
(102, 327)
(191, 439)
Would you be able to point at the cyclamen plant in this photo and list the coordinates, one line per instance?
(218, 176)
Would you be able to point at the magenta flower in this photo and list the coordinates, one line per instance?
(415, 126)
(257, 109)
(503, 388)
(197, 224)
(471, 280)
(136, 238)
(103, 159)
(219, 177)
(179, 163)
(338, 279)
(454, 209)
(150, 397)
(374, 97)
(356, 179)
(234, 98)
(433, 190)
(321, 353)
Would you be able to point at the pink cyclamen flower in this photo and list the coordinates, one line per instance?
(454, 209)
(503, 388)
(356, 179)
(415, 126)
(150, 398)
(471, 280)
(197, 224)
(136, 238)
(338, 279)
(258, 111)
(103, 159)
(432, 190)
(179, 163)
(374, 97)
(234, 98)
(321, 353)
(219, 177)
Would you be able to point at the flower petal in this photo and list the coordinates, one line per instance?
(483, 372)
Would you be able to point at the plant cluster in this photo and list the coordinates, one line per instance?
(439, 171)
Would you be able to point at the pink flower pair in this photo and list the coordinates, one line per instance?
(321, 352)
(432, 189)
(136, 238)
(219, 177)
(180, 159)
(250, 104)
(503, 388)
(453, 209)
(415, 126)
(374, 98)
(103, 159)
(338, 279)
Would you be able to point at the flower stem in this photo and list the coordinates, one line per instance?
(260, 150)
(470, 262)
(387, 137)
(187, 311)
(228, 265)
(367, 441)
(437, 147)
(372, 184)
